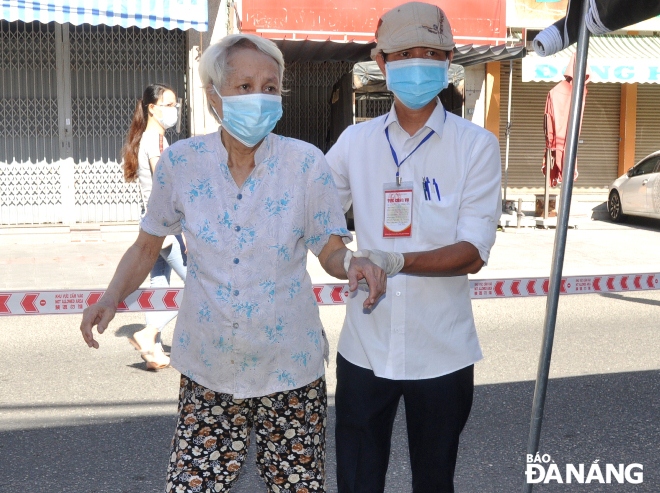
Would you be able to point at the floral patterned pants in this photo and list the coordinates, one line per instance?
(213, 432)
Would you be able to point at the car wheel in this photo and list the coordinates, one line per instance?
(614, 207)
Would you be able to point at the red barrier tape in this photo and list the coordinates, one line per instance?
(161, 299)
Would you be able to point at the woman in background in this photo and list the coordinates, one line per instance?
(154, 113)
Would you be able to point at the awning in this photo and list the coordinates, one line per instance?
(614, 59)
(168, 14)
(467, 55)
(322, 51)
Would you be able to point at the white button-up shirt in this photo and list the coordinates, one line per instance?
(423, 327)
(249, 323)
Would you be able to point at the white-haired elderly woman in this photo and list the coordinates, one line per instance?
(248, 340)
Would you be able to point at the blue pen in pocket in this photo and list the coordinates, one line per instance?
(437, 190)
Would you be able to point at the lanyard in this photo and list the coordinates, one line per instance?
(396, 159)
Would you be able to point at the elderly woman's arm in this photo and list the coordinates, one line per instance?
(131, 271)
(332, 260)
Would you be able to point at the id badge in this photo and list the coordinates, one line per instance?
(397, 220)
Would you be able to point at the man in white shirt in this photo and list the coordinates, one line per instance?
(425, 188)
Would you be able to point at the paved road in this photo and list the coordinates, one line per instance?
(77, 420)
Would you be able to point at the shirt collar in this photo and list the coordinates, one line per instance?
(436, 121)
(263, 152)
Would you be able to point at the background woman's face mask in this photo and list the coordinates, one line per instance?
(250, 117)
(417, 81)
(169, 115)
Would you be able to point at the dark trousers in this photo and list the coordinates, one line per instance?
(436, 412)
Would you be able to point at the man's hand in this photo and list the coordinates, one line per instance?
(99, 314)
(361, 270)
(337, 261)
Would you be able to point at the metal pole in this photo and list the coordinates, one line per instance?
(508, 132)
(552, 302)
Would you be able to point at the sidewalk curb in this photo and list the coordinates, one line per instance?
(36, 234)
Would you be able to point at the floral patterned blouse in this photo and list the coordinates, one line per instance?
(248, 324)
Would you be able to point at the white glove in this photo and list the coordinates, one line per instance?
(390, 262)
(347, 260)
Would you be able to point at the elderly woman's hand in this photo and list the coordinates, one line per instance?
(99, 314)
(363, 269)
(131, 271)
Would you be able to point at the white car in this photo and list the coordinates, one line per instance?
(637, 193)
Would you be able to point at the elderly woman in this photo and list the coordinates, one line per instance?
(248, 340)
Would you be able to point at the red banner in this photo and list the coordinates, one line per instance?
(480, 22)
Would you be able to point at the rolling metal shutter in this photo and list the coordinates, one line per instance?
(30, 182)
(67, 96)
(307, 103)
(108, 70)
(648, 120)
(598, 152)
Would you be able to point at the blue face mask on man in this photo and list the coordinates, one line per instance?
(417, 81)
(250, 117)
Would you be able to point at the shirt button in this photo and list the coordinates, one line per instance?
(398, 293)
(237, 228)
(236, 261)
(239, 196)
(235, 325)
(236, 292)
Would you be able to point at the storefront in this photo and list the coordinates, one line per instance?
(72, 72)
(620, 124)
(648, 120)
(619, 121)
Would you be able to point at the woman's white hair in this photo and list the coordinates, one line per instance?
(213, 67)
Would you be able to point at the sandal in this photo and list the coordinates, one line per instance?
(156, 359)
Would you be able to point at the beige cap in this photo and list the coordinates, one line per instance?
(411, 25)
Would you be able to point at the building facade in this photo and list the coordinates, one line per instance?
(72, 73)
(619, 125)
(70, 84)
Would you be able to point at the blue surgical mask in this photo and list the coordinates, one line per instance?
(250, 117)
(417, 81)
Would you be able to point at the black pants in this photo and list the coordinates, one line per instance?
(436, 412)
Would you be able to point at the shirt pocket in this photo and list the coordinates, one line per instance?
(436, 223)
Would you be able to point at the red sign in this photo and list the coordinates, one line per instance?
(317, 293)
(337, 294)
(169, 300)
(144, 300)
(28, 303)
(93, 298)
(4, 297)
(480, 22)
